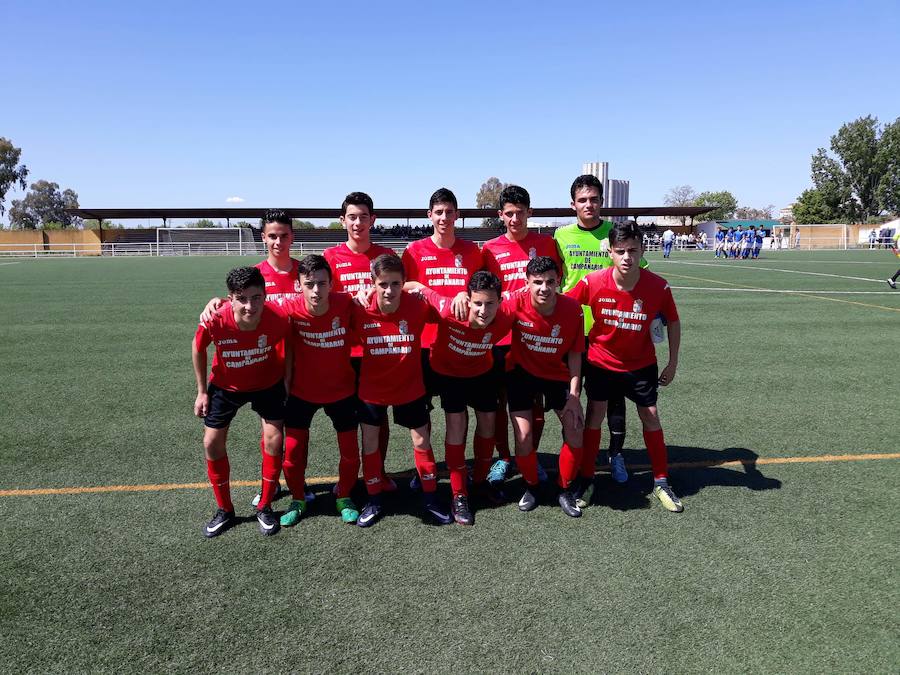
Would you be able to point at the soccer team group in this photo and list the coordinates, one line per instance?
(739, 243)
(510, 330)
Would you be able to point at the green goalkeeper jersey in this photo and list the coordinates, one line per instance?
(583, 252)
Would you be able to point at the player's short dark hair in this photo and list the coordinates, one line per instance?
(541, 265)
(311, 264)
(482, 280)
(586, 180)
(623, 231)
(514, 194)
(276, 216)
(387, 262)
(357, 199)
(241, 278)
(443, 196)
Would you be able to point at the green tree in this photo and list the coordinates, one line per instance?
(302, 224)
(11, 172)
(42, 205)
(813, 207)
(335, 225)
(203, 222)
(861, 178)
(488, 197)
(750, 213)
(724, 202)
(680, 195)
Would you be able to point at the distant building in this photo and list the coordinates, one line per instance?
(615, 192)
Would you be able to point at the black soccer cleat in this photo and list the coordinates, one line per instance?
(568, 505)
(528, 501)
(371, 512)
(462, 514)
(221, 521)
(268, 523)
(433, 511)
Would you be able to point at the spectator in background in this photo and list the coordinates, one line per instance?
(797, 239)
(668, 239)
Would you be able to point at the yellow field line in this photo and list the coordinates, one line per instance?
(805, 295)
(327, 480)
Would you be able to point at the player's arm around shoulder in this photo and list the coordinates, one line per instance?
(199, 361)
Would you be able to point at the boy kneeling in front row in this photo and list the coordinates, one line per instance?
(247, 368)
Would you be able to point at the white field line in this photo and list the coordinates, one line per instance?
(11, 263)
(766, 290)
(772, 269)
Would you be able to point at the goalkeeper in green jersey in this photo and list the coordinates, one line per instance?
(584, 248)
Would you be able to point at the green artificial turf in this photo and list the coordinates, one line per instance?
(774, 567)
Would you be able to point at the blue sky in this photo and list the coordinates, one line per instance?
(174, 104)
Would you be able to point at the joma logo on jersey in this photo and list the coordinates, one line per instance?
(527, 324)
(374, 324)
(428, 258)
(227, 341)
(270, 283)
(500, 256)
(340, 265)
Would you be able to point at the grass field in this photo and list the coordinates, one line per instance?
(788, 564)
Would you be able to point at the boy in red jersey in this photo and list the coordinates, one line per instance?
(545, 361)
(442, 263)
(351, 270)
(624, 300)
(320, 375)
(462, 365)
(248, 367)
(279, 270)
(506, 256)
(390, 329)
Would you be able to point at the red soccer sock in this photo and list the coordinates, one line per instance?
(271, 469)
(501, 434)
(296, 452)
(427, 468)
(589, 452)
(219, 472)
(371, 465)
(656, 448)
(569, 464)
(537, 425)
(384, 439)
(484, 454)
(348, 467)
(528, 468)
(455, 456)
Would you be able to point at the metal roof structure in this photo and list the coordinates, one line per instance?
(334, 213)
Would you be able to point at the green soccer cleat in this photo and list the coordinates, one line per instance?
(667, 497)
(294, 513)
(347, 509)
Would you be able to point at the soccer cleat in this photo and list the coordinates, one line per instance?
(309, 496)
(415, 482)
(347, 509)
(568, 505)
(492, 494)
(268, 523)
(221, 521)
(542, 473)
(294, 513)
(528, 500)
(434, 511)
(583, 491)
(371, 512)
(667, 498)
(617, 468)
(279, 493)
(892, 283)
(498, 471)
(461, 512)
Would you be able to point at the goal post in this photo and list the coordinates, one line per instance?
(204, 241)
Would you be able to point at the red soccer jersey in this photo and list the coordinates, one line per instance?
(540, 343)
(507, 259)
(245, 360)
(280, 286)
(322, 372)
(352, 271)
(461, 350)
(620, 337)
(391, 371)
(444, 270)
